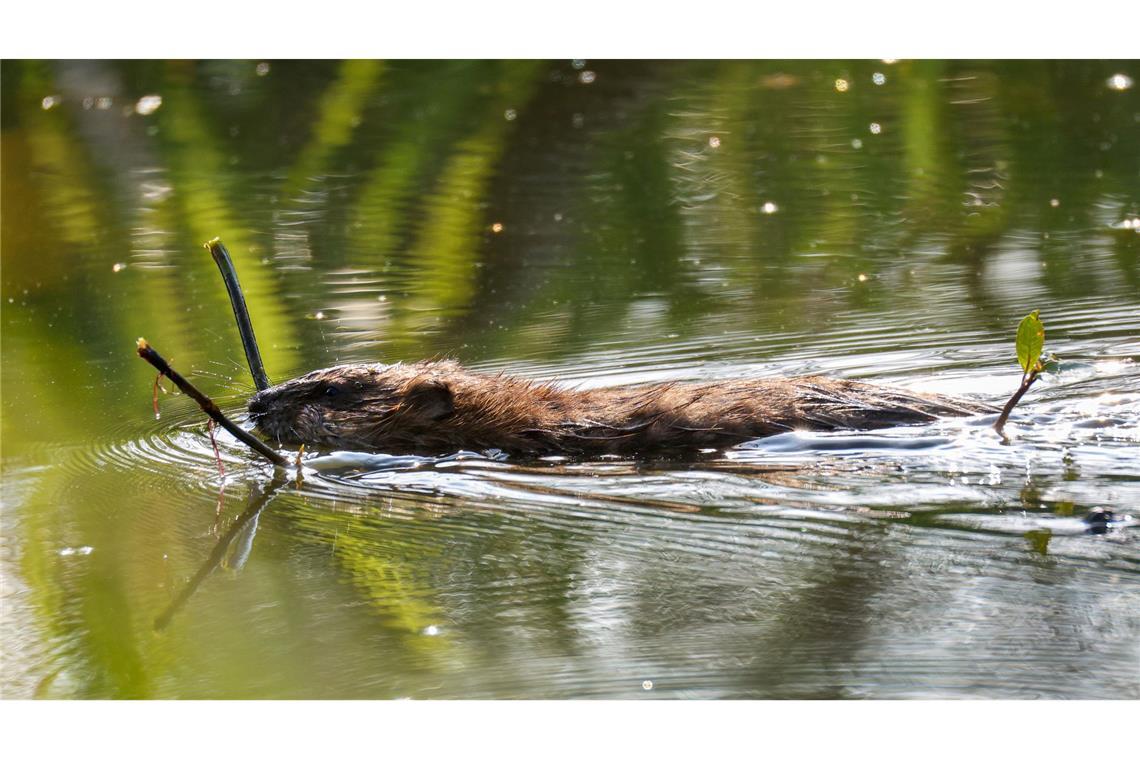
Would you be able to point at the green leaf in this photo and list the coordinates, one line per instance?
(1030, 341)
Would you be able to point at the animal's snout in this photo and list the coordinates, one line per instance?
(258, 405)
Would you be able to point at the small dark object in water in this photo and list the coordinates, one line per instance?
(439, 407)
(1098, 519)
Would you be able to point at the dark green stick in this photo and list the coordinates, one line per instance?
(207, 404)
(237, 300)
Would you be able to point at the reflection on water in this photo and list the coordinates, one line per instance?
(600, 223)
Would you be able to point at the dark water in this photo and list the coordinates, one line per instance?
(602, 223)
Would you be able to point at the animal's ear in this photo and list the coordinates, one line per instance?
(431, 398)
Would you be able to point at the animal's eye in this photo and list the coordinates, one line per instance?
(331, 391)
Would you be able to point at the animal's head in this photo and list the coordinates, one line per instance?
(370, 406)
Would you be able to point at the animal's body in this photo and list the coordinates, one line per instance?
(440, 407)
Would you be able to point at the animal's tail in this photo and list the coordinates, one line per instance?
(846, 404)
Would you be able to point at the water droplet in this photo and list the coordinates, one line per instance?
(841, 85)
(769, 208)
(587, 77)
(875, 127)
(647, 685)
(578, 63)
(1119, 82)
(148, 104)
(51, 101)
(510, 114)
(856, 143)
(118, 267)
(262, 69)
(497, 227)
(431, 630)
(862, 277)
(1054, 202)
(879, 78)
(714, 142)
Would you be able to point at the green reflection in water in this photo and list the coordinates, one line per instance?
(655, 202)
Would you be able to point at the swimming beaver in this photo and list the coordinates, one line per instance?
(438, 407)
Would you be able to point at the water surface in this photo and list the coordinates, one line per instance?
(600, 223)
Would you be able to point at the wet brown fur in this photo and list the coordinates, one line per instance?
(440, 407)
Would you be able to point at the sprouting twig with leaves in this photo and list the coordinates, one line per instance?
(1030, 343)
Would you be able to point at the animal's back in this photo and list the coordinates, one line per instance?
(676, 417)
(440, 407)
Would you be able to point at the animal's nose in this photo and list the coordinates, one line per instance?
(258, 405)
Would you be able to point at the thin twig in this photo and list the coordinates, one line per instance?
(1026, 381)
(154, 400)
(217, 453)
(207, 405)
